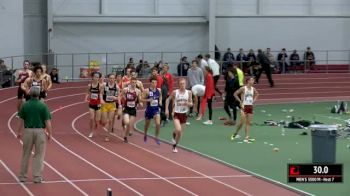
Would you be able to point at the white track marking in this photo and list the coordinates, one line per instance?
(15, 177)
(47, 164)
(125, 159)
(133, 179)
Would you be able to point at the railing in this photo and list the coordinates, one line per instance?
(70, 65)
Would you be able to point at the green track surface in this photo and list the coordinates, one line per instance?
(259, 157)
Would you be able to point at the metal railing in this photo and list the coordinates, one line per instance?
(71, 65)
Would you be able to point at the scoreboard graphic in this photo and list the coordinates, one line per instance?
(315, 173)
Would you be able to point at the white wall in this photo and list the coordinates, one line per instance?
(277, 33)
(11, 22)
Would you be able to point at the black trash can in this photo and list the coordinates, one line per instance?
(323, 143)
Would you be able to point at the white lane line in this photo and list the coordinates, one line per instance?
(15, 177)
(125, 159)
(86, 161)
(132, 179)
(47, 164)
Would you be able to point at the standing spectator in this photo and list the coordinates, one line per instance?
(139, 68)
(282, 61)
(271, 58)
(182, 67)
(208, 96)
(54, 76)
(215, 67)
(202, 63)
(166, 88)
(217, 53)
(309, 58)
(227, 60)
(232, 85)
(34, 117)
(294, 59)
(265, 66)
(130, 64)
(195, 76)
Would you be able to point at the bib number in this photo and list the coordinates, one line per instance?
(109, 98)
(154, 102)
(94, 96)
(131, 104)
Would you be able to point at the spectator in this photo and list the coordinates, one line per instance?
(54, 76)
(182, 67)
(139, 67)
(3, 67)
(282, 61)
(309, 58)
(227, 60)
(241, 58)
(215, 68)
(154, 73)
(265, 66)
(167, 89)
(130, 64)
(271, 58)
(195, 76)
(251, 58)
(217, 53)
(34, 117)
(294, 59)
(202, 63)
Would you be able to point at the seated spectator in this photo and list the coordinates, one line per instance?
(183, 66)
(294, 59)
(309, 58)
(271, 58)
(227, 60)
(282, 61)
(241, 58)
(3, 67)
(54, 76)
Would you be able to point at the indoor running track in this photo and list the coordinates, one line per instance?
(78, 165)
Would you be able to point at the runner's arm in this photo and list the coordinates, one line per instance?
(256, 95)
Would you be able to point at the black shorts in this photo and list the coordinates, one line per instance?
(130, 111)
(43, 95)
(95, 107)
(20, 93)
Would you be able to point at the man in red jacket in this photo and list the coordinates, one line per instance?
(167, 88)
(208, 96)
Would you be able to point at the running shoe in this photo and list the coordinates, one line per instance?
(125, 140)
(188, 123)
(91, 135)
(157, 141)
(247, 141)
(145, 138)
(208, 122)
(233, 137)
(174, 149)
(130, 134)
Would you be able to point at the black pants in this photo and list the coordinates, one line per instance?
(230, 102)
(267, 71)
(210, 107)
(216, 79)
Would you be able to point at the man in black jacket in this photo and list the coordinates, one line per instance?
(265, 66)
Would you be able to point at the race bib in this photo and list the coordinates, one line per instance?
(154, 102)
(131, 104)
(94, 96)
(109, 98)
(35, 83)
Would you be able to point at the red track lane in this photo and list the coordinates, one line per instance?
(96, 159)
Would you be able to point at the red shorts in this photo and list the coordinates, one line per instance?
(181, 116)
(248, 109)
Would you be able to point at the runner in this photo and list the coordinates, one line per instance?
(112, 103)
(37, 80)
(47, 78)
(126, 78)
(131, 95)
(21, 76)
(248, 97)
(94, 97)
(182, 100)
(153, 97)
